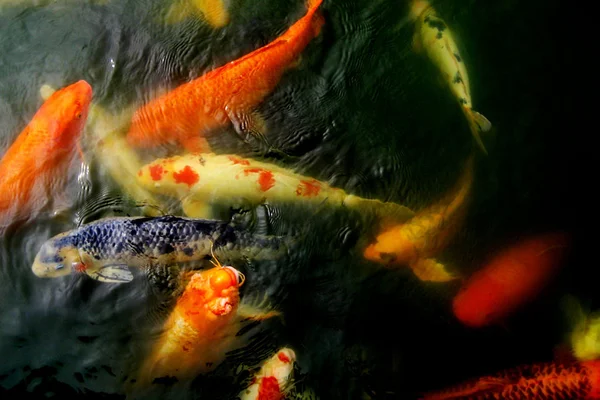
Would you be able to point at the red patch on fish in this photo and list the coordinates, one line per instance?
(265, 178)
(79, 267)
(283, 358)
(308, 188)
(269, 389)
(156, 172)
(140, 172)
(187, 175)
(236, 160)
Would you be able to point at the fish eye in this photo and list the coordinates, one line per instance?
(78, 115)
(59, 266)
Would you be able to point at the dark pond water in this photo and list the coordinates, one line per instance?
(363, 112)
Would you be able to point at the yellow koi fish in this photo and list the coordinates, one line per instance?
(433, 35)
(272, 382)
(199, 180)
(584, 338)
(416, 242)
(213, 12)
(201, 329)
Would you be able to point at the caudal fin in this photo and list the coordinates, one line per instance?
(479, 124)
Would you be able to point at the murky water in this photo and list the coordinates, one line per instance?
(362, 111)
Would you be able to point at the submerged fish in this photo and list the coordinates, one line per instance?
(228, 94)
(427, 234)
(201, 329)
(104, 249)
(36, 163)
(511, 279)
(201, 179)
(433, 35)
(544, 381)
(584, 335)
(212, 11)
(272, 382)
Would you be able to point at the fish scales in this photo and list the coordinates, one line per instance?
(123, 242)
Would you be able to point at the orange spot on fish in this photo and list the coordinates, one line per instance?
(79, 267)
(237, 160)
(308, 188)
(283, 358)
(187, 175)
(156, 172)
(269, 389)
(265, 178)
(140, 172)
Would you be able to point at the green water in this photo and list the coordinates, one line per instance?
(362, 111)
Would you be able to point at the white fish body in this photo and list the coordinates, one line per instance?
(433, 36)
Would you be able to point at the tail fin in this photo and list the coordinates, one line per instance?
(479, 124)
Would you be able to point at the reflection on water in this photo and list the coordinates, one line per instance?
(341, 180)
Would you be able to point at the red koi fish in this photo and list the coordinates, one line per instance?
(37, 160)
(512, 278)
(227, 94)
(543, 381)
(271, 382)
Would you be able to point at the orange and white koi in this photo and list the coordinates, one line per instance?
(543, 381)
(227, 94)
(433, 35)
(199, 180)
(213, 12)
(202, 327)
(273, 380)
(418, 241)
(37, 161)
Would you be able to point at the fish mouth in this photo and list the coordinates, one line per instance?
(236, 275)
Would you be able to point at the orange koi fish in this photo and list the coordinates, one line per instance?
(271, 382)
(37, 161)
(200, 180)
(227, 94)
(202, 327)
(416, 242)
(512, 278)
(543, 381)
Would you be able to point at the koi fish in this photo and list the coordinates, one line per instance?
(418, 241)
(212, 11)
(432, 34)
(37, 161)
(543, 381)
(511, 279)
(199, 180)
(227, 94)
(104, 249)
(271, 382)
(584, 338)
(202, 327)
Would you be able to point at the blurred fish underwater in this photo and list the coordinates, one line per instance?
(375, 104)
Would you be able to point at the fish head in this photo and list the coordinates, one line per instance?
(390, 248)
(68, 109)
(57, 257)
(224, 296)
(283, 363)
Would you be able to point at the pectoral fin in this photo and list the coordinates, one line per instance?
(478, 124)
(258, 310)
(196, 144)
(196, 208)
(114, 273)
(430, 270)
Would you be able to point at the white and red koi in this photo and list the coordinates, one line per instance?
(201, 179)
(273, 380)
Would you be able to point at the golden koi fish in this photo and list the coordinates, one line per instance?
(201, 329)
(416, 242)
(213, 12)
(433, 35)
(199, 180)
